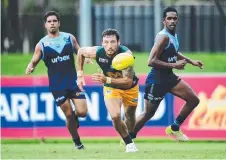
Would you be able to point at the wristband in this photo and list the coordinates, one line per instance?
(108, 81)
(80, 73)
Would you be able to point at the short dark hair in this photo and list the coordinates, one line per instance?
(52, 13)
(110, 32)
(168, 9)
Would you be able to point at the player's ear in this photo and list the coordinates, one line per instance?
(119, 42)
(45, 25)
(163, 21)
(59, 23)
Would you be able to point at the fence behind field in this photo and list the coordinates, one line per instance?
(200, 28)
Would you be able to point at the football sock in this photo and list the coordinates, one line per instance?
(127, 140)
(77, 141)
(132, 135)
(176, 124)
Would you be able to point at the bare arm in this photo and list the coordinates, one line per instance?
(85, 52)
(127, 80)
(76, 45)
(180, 56)
(153, 60)
(35, 59)
(191, 61)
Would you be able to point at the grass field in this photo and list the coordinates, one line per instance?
(110, 149)
(15, 64)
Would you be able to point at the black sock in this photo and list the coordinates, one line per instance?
(127, 139)
(176, 124)
(77, 141)
(132, 135)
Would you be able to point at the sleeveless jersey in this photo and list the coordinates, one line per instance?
(57, 54)
(169, 55)
(105, 64)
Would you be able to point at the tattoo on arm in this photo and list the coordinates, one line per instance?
(129, 72)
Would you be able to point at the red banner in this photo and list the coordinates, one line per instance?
(210, 114)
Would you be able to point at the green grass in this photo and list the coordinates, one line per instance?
(15, 64)
(110, 149)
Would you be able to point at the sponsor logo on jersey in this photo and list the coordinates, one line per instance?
(47, 44)
(172, 59)
(60, 98)
(103, 60)
(151, 97)
(60, 59)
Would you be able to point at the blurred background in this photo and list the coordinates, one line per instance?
(27, 108)
(201, 26)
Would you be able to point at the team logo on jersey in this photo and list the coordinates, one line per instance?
(66, 39)
(60, 59)
(103, 60)
(135, 100)
(57, 45)
(108, 91)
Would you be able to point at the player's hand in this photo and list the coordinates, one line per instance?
(81, 83)
(99, 78)
(180, 64)
(197, 63)
(88, 61)
(29, 70)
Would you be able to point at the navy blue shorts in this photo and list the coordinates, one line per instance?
(62, 95)
(155, 93)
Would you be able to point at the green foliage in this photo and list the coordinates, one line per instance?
(15, 64)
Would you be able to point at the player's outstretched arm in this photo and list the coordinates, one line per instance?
(154, 61)
(84, 52)
(35, 59)
(77, 47)
(124, 82)
(191, 61)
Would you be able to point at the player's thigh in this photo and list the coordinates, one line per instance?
(114, 107)
(130, 112)
(183, 90)
(66, 108)
(154, 94)
(150, 108)
(79, 100)
(80, 106)
(130, 97)
(113, 101)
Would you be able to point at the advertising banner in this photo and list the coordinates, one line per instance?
(28, 110)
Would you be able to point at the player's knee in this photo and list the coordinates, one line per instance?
(68, 115)
(149, 115)
(115, 117)
(81, 113)
(194, 101)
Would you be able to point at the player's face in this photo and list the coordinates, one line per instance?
(171, 21)
(110, 44)
(52, 24)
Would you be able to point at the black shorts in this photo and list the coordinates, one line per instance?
(61, 96)
(154, 93)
